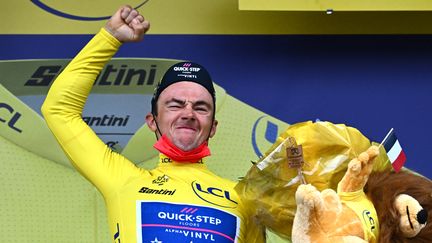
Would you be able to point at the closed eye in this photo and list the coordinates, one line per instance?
(201, 108)
(175, 104)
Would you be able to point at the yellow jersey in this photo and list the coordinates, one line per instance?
(365, 211)
(175, 202)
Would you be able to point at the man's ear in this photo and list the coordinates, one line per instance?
(151, 122)
(213, 128)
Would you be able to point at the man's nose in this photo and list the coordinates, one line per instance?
(188, 111)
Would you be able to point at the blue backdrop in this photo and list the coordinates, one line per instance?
(373, 83)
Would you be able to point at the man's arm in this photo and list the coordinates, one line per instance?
(65, 101)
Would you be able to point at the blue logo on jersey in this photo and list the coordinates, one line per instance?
(368, 219)
(160, 221)
(214, 195)
(270, 134)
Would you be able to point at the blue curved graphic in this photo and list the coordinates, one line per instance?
(51, 10)
(270, 134)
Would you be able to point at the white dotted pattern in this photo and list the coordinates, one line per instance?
(43, 201)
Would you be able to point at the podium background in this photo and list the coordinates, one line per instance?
(370, 70)
(366, 69)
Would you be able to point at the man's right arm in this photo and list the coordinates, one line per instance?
(65, 101)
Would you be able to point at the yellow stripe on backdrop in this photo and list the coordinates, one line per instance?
(221, 17)
(340, 5)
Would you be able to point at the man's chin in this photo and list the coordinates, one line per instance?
(186, 145)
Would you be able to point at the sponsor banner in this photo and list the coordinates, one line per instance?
(338, 5)
(87, 17)
(162, 222)
(202, 16)
(133, 76)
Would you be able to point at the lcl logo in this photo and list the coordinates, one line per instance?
(214, 195)
(12, 119)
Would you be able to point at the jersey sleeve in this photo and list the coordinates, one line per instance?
(62, 110)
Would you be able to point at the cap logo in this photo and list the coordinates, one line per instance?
(187, 69)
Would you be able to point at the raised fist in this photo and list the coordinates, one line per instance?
(127, 25)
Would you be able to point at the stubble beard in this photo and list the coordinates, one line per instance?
(186, 146)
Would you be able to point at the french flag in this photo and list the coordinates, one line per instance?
(394, 150)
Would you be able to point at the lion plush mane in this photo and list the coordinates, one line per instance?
(383, 187)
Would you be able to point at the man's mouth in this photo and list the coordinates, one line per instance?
(186, 128)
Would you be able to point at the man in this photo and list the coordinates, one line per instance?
(180, 200)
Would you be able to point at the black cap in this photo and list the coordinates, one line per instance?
(184, 71)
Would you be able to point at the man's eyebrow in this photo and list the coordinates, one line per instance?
(182, 102)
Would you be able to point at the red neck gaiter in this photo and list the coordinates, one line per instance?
(165, 146)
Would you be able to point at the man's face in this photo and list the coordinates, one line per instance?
(185, 115)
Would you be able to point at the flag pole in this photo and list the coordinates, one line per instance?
(388, 134)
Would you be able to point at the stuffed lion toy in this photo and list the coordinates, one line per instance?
(367, 207)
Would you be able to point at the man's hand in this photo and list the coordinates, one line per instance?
(127, 25)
